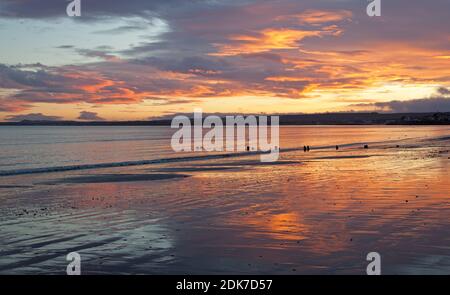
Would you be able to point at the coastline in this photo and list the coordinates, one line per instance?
(437, 118)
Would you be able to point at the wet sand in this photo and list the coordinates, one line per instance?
(114, 178)
(319, 212)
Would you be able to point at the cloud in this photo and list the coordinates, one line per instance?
(424, 105)
(222, 48)
(9, 106)
(57, 8)
(65, 47)
(32, 117)
(133, 25)
(96, 10)
(314, 17)
(98, 54)
(264, 41)
(89, 116)
(443, 91)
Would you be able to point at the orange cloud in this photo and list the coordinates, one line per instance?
(315, 17)
(269, 39)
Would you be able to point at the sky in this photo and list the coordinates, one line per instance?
(141, 59)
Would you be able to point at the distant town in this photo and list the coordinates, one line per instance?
(291, 119)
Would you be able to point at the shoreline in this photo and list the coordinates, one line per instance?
(199, 157)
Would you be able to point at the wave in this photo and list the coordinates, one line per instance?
(188, 158)
(125, 164)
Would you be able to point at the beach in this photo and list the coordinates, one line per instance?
(129, 205)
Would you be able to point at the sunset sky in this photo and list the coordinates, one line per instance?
(141, 59)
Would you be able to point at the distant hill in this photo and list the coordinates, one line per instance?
(367, 119)
(304, 119)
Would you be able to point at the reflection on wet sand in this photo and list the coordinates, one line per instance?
(317, 212)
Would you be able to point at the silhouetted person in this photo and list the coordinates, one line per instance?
(337, 147)
(304, 148)
(366, 146)
(307, 148)
(248, 148)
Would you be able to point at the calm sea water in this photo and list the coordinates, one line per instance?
(24, 147)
